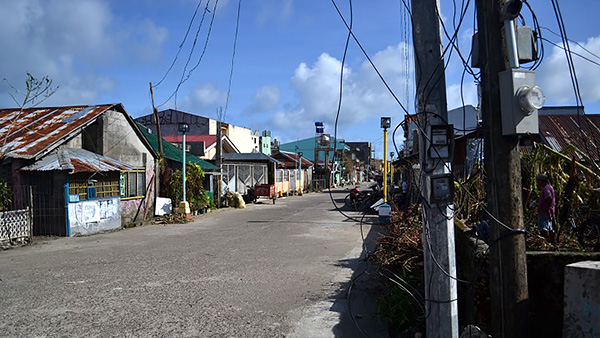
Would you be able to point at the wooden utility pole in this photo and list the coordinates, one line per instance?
(438, 237)
(219, 160)
(157, 122)
(508, 268)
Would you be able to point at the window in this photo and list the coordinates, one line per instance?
(133, 184)
(278, 175)
(87, 186)
(286, 175)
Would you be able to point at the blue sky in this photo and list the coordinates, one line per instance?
(287, 63)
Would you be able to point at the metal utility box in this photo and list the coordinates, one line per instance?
(514, 86)
(526, 44)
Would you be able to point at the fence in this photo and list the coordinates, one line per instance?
(15, 225)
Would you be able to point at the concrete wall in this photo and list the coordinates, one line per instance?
(123, 144)
(93, 216)
(75, 142)
(242, 138)
(582, 300)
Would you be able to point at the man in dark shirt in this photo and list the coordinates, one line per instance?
(546, 207)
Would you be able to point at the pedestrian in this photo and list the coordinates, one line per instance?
(546, 207)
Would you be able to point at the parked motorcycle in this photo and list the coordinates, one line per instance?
(250, 195)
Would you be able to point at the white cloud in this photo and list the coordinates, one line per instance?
(554, 79)
(265, 98)
(364, 96)
(203, 97)
(270, 10)
(70, 41)
(455, 98)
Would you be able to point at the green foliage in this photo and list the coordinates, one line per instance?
(398, 308)
(194, 191)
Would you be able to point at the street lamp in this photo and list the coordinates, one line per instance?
(385, 209)
(386, 123)
(184, 128)
(300, 172)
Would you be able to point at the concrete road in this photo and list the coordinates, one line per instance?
(266, 271)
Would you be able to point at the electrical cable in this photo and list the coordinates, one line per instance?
(180, 46)
(185, 77)
(237, 28)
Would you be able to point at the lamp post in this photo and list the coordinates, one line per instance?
(184, 206)
(300, 173)
(392, 174)
(385, 124)
(385, 209)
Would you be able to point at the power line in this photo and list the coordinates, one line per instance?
(180, 45)
(237, 28)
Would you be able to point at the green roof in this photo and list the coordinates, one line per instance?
(173, 153)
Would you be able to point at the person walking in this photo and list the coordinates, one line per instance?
(546, 207)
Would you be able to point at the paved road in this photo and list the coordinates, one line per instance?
(266, 271)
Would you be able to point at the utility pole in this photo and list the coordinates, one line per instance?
(157, 122)
(508, 266)
(219, 160)
(435, 163)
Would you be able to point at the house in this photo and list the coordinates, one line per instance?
(294, 173)
(203, 132)
(247, 169)
(360, 153)
(83, 169)
(308, 145)
(174, 158)
(203, 146)
(560, 128)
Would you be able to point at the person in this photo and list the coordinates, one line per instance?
(546, 207)
(404, 187)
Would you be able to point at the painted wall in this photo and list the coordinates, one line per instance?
(242, 138)
(93, 216)
(265, 145)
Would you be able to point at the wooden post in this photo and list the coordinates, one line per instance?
(508, 266)
(218, 160)
(157, 122)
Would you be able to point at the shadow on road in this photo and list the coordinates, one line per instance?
(356, 300)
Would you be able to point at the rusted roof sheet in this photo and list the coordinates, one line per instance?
(28, 133)
(582, 131)
(77, 161)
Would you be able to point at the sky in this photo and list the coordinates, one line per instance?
(285, 72)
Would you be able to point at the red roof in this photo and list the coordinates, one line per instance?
(207, 139)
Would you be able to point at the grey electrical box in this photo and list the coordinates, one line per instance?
(526, 44)
(520, 99)
(440, 142)
(442, 188)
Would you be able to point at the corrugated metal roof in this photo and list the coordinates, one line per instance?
(173, 153)
(29, 132)
(582, 131)
(77, 161)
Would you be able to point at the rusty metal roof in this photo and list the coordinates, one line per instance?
(582, 131)
(77, 161)
(30, 132)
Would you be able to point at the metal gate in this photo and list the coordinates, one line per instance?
(48, 207)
